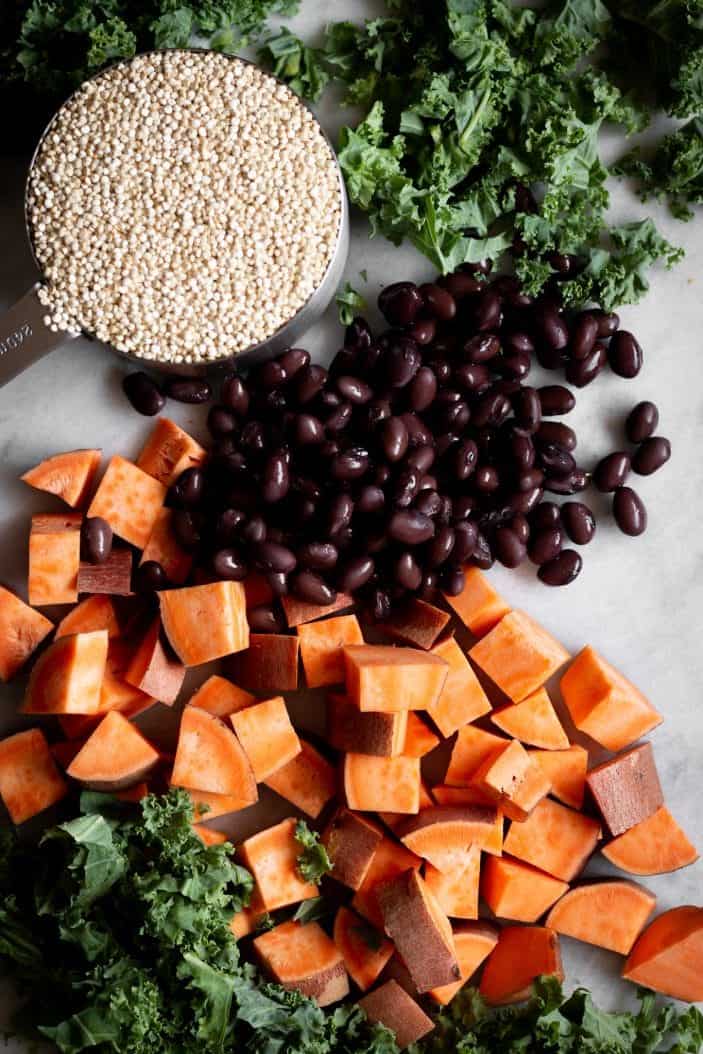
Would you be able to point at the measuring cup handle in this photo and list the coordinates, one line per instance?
(24, 336)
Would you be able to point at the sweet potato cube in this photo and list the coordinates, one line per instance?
(130, 501)
(115, 692)
(462, 698)
(513, 780)
(54, 559)
(566, 771)
(555, 839)
(417, 624)
(456, 891)
(419, 738)
(478, 605)
(267, 735)
(116, 755)
(113, 577)
(168, 452)
(604, 704)
(69, 476)
(297, 612)
(67, 677)
(22, 629)
(205, 622)
(380, 734)
(471, 749)
(164, 548)
(210, 758)
(321, 645)
(272, 857)
(155, 670)
(390, 1005)
(95, 612)
(365, 951)
(308, 781)
(420, 931)
(533, 721)
(304, 959)
(29, 779)
(474, 942)
(444, 795)
(385, 679)
(268, 665)
(393, 820)
(668, 957)
(389, 860)
(373, 784)
(522, 954)
(210, 806)
(220, 697)
(515, 890)
(208, 836)
(443, 833)
(608, 914)
(654, 846)
(351, 842)
(626, 788)
(518, 655)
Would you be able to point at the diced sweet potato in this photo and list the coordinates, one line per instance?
(373, 784)
(210, 806)
(555, 839)
(116, 755)
(608, 914)
(29, 779)
(205, 622)
(513, 780)
(113, 577)
(267, 735)
(308, 781)
(130, 501)
(155, 670)
(54, 559)
(626, 789)
(473, 796)
(243, 924)
(115, 692)
(321, 645)
(654, 846)
(417, 624)
(69, 476)
(303, 958)
(522, 954)
(668, 957)
(604, 704)
(365, 951)
(220, 697)
(533, 721)
(67, 677)
(420, 930)
(515, 890)
(462, 698)
(272, 857)
(390, 1005)
(566, 771)
(478, 605)
(419, 738)
(209, 836)
(395, 819)
(518, 655)
(163, 547)
(456, 891)
(96, 612)
(443, 833)
(268, 665)
(474, 942)
(390, 860)
(298, 612)
(168, 452)
(22, 629)
(351, 842)
(385, 679)
(210, 758)
(349, 730)
(471, 749)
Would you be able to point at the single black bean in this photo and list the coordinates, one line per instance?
(441, 368)
(466, 540)
(272, 556)
(530, 478)
(402, 360)
(234, 395)
(611, 471)
(355, 573)
(517, 342)
(572, 484)
(651, 455)
(462, 285)
(492, 408)
(581, 372)
(350, 464)
(275, 482)
(545, 544)
(329, 449)
(439, 302)
(395, 439)
(562, 570)
(556, 400)
(546, 514)
(271, 375)
(428, 482)
(407, 571)
(508, 547)
(265, 619)
(381, 475)
(228, 525)
(410, 527)
(520, 526)
(488, 310)
(608, 323)
(522, 451)
(549, 358)
(278, 582)
(550, 326)
(311, 588)
(422, 389)
(456, 416)
(418, 432)
(308, 430)
(452, 581)
(462, 507)
(527, 406)
(400, 303)
(370, 499)
(423, 331)
(221, 421)
(230, 565)
(556, 432)
(340, 513)
(486, 478)
(472, 377)
(254, 530)
(625, 354)
(379, 604)
(566, 265)
(515, 366)
(406, 487)
(642, 422)
(358, 334)
(482, 555)
(555, 460)
(630, 512)
(428, 502)
(189, 488)
(422, 458)
(272, 403)
(464, 459)
(96, 540)
(327, 400)
(428, 585)
(481, 348)
(293, 361)
(309, 381)
(318, 556)
(186, 526)
(440, 548)
(193, 390)
(525, 501)
(354, 390)
(584, 334)
(339, 418)
(579, 522)
(509, 386)
(377, 411)
(144, 394)
(151, 577)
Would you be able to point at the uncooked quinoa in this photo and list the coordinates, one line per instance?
(183, 207)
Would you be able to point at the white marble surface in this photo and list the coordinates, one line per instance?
(637, 600)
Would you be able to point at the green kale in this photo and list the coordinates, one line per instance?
(301, 67)
(350, 303)
(674, 173)
(313, 860)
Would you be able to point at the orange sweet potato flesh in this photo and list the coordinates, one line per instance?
(566, 771)
(604, 704)
(267, 735)
(390, 1005)
(205, 622)
(522, 954)
(321, 645)
(169, 451)
(210, 758)
(116, 755)
(517, 891)
(298, 612)
(389, 860)
(95, 612)
(471, 749)
(305, 959)
(22, 629)
(154, 669)
(69, 476)
(54, 559)
(456, 891)
(462, 698)
(272, 857)
(220, 697)
(608, 914)
(444, 795)
(130, 501)
(420, 931)
(163, 547)
(67, 677)
(115, 692)
(351, 842)
(442, 834)
(474, 942)
(373, 784)
(419, 738)
(668, 957)
(513, 780)
(386, 679)
(533, 721)
(417, 624)
(555, 839)
(518, 655)
(478, 605)
(210, 806)
(655, 846)
(268, 665)
(365, 951)
(308, 781)
(383, 735)
(209, 836)
(29, 780)
(395, 819)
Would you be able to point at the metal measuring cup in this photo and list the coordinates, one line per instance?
(25, 338)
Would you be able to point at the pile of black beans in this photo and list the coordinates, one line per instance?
(419, 450)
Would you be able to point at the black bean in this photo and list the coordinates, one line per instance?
(462, 285)
(234, 395)
(514, 367)
(482, 556)
(625, 354)
(651, 455)
(562, 570)
(481, 348)
(423, 331)
(294, 360)
(630, 512)
(186, 526)
(189, 488)
(440, 547)
(221, 421)
(527, 406)
(428, 482)
(546, 514)
(529, 479)
(144, 394)
(339, 418)
(254, 530)
(308, 430)
(456, 415)
(550, 326)
(272, 556)
(488, 310)
(462, 507)
(401, 360)
(407, 572)
(428, 502)
(275, 482)
(452, 581)
(556, 432)
(508, 547)
(517, 341)
(265, 619)
(400, 303)
(611, 471)
(439, 302)
(228, 525)
(581, 372)
(406, 487)
(545, 544)
(549, 358)
(193, 390)
(355, 573)
(395, 438)
(421, 458)
(464, 459)
(422, 389)
(350, 464)
(572, 484)
(318, 556)
(377, 411)
(358, 334)
(312, 588)
(642, 422)
(525, 501)
(278, 582)
(491, 408)
(96, 540)
(271, 375)
(584, 334)
(354, 390)
(410, 527)
(441, 368)
(608, 324)
(308, 382)
(486, 478)
(151, 577)
(566, 265)
(229, 565)
(340, 513)
(520, 526)
(579, 522)
(555, 460)
(522, 451)
(556, 400)
(472, 377)
(466, 542)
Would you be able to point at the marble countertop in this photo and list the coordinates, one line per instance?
(637, 600)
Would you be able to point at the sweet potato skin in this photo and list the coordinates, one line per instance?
(391, 1006)
(417, 624)
(654, 846)
(351, 842)
(668, 956)
(268, 665)
(348, 730)
(608, 914)
(298, 612)
(419, 930)
(155, 670)
(626, 788)
(22, 630)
